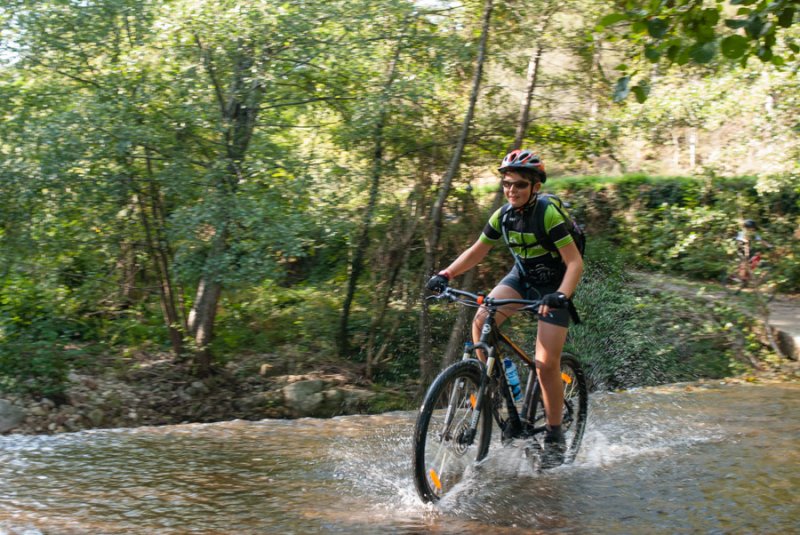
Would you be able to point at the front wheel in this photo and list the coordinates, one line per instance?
(576, 406)
(445, 448)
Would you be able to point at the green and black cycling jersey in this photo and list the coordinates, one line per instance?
(541, 266)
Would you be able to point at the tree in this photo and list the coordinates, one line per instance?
(685, 31)
(381, 116)
(437, 211)
(171, 104)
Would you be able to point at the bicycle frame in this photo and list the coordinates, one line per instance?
(491, 337)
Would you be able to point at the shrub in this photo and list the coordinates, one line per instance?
(633, 335)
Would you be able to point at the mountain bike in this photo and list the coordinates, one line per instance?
(454, 425)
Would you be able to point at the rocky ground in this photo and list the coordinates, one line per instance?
(161, 392)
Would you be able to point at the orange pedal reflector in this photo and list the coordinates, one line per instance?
(566, 378)
(435, 479)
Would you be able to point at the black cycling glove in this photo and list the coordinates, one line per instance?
(555, 300)
(438, 283)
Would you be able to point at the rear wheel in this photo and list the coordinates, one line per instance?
(576, 403)
(445, 450)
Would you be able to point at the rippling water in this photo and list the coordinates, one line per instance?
(718, 459)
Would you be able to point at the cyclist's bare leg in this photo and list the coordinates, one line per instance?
(549, 344)
(499, 292)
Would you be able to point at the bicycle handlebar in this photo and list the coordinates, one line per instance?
(471, 299)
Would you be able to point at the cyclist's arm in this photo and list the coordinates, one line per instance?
(468, 259)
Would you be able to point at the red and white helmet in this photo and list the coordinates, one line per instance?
(523, 159)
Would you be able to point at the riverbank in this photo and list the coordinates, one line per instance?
(152, 389)
(159, 392)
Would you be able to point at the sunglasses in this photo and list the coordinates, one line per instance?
(520, 184)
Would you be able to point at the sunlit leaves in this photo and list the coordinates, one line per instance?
(685, 31)
(657, 27)
(734, 46)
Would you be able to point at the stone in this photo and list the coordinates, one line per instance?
(304, 397)
(260, 400)
(10, 416)
(37, 410)
(197, 388)
(96, 416)
(316, 398)
(356, 398)
(268, 370)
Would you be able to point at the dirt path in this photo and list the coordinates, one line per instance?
(784, 310)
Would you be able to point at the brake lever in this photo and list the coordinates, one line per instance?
(442, 295)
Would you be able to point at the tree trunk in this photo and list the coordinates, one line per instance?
(530, 87)
(153, 223)
(357, 265)
(201, 321)
(437, 211)
(129, 269)
(176, 322)
(168, 309)
(401, 250)
(238, 113)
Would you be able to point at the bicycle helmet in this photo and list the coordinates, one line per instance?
(749, 223)
(524, 159)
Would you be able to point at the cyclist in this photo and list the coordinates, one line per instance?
(537, 274)
(749, 245)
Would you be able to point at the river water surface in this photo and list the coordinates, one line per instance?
(678, 459)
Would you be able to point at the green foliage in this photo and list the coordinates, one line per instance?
(35, 366)
(269, 317)
(35, 339)
(686, 31)
(634, 335)
(146, 144)
(688, 225)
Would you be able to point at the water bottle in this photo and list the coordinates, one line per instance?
(513, 378)
(467, 351)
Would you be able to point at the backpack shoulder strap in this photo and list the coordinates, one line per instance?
(539, 229)
(504, 216)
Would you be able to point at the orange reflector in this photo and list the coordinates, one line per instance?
(480, 300)
(566, 378)
(435, 479)
(472, 400)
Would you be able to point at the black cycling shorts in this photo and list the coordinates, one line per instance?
(557, 316)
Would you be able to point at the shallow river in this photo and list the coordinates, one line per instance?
(713, 459)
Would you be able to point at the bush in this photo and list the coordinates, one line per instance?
(35, 332)
(635, 336)
(688, 225)
(37, 367)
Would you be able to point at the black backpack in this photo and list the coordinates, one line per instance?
(575, 230)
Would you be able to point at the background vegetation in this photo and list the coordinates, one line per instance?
(215, 178)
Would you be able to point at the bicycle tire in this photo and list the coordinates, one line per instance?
(441, 459)
(576, 405)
